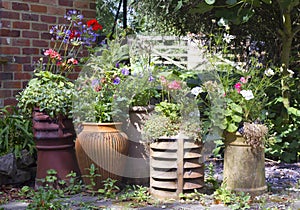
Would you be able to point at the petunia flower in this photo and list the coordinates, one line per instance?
(247, 94)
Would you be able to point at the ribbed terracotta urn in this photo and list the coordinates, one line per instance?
(105, 146)
(244, 165)
(54, 140)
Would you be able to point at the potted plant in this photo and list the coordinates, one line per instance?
(98, 113)
(174, 134)
(48, 96)
(237, 109)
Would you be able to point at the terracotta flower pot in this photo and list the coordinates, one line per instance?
(175, 167)
(105, 146)
(55, 146)
(244, 165)
(137, 165)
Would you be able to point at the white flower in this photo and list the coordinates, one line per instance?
(291, 72)
(227, 38)
(196, 90)
(269, 72)
(247, 94)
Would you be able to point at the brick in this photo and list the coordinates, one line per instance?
(22, 76)
(9, 33)
(21, 25)
(5, 4)
(39, 26)
(89, 13)
(93, 6)
(22, 59)
(21, 42)
(20, 6)
(28, 67)
(73, 76)
(5, 24)
(13, 67)
(57, 11)
(46, 36)
(30, 34)
(11, 101)
(6, 76)
(49, 2)
(12, 84)
(10, 15)
(9, 50)
(40, 43)
(31, 17)
(5, 93)
(31, 0)
(30, 51)
(81, 4)
(67, 3)
(48, 19)
(38, 8)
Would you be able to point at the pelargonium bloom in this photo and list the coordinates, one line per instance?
(94, 24)
(52, 53)
(243, 80)
(238, 87)
(73, 61)
(174, 85)
(163, 79)
(247, 94)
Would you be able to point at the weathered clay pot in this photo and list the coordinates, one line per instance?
(175, 167)
(244, 165)
(55, 146)
(137, 170)
(105, 146)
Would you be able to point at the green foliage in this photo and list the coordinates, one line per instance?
(194, 196)
(92, 176)
(138, 195)
(231, 199)
(210, 177)
(110, 188)
(15, 132)
(51, 93)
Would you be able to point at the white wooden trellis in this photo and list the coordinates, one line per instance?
(170, 50)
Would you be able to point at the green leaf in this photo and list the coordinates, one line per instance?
(236, 108)
(232, 128)
(294, 111)
(179, 5)
(210, 2)
(267, 1)
(236, 118)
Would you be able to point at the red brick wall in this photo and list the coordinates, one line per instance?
(24, 33)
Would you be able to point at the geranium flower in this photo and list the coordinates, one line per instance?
(174, 85)
(52, 54)
(238, 87)
(247, 94)
(73, 61)
(163, 79)
(125, 71)
(94, 24)
(116, 80)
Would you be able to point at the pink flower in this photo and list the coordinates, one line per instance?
(174, 85)
(163, 79)
(238, 87)
(243, 80)
(52, 54)
(73, 61)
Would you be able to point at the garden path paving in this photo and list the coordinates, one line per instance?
(282, 179)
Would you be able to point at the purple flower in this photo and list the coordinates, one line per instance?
(95, 82)
(125, 71)
(151, 78)
(117, 80)
(117, 65)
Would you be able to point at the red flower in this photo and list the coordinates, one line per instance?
(94, 24)
(74, 34)
(238, 87)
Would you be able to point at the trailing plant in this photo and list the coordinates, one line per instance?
(15, 132)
